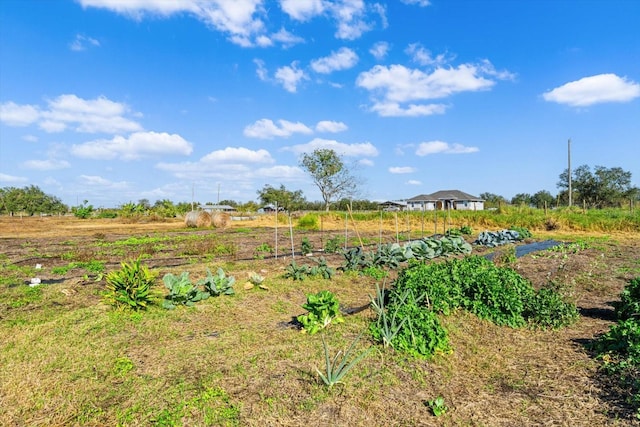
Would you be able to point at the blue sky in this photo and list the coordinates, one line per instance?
(113, 101)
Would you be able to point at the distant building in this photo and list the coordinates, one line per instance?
(393, 205)
(445, 199)
(219, 208)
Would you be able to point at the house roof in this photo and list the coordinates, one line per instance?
(445, 195)
(394, 203)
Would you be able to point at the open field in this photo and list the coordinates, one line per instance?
(67, 358)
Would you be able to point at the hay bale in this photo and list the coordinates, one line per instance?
(198, 219)
(220, 219)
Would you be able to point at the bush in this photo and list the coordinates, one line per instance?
(309, 222)
(131, 286)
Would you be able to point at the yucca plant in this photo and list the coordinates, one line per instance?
(131, 286)
(338, 366)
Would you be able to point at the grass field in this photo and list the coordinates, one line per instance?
(68, 358)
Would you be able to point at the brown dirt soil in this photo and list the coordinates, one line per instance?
(495, 376)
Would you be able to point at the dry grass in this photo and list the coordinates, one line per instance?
(67, 359)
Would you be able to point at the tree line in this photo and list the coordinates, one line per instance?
(339, 187)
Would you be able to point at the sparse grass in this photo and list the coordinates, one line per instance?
(238, 361)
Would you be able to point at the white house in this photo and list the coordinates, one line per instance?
(445, 199)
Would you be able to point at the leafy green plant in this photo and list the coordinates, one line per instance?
(295, 271)
(131, 286)
(523, 232)
(82, 211)
(321, 269)
(306, 246)
(387, 326)
(181, 291)
(356, 259)
(255, 279)
(263, 250)
(338, 366)
(323, 309)
(629, 304)
(217, 285)
(437, 406)
(334, 244)
(549, 310)
(308, 222)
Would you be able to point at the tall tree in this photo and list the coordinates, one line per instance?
(286, 199)
(521, 199)
(601, 188)
(330, 174)
(492, 200)
(542, 198)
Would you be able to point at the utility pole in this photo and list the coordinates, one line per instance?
(569, 168)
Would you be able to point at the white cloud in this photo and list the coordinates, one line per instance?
(13, 114)
(239, 155)
(12, 179)
(366, 162)
(343, 59)
(261, 70)
(30, 138)
(423, 56)
(379, 50)
(302, 10)
(393, 109)
(98, 181)
(393, 85)
(235, 164)
(402, 169)
(421, 3)
(241, 20)
(440, 147)
(290, 76)
(594, 90)
(99, 115)
(81, 42)
(365, 149)
(281, 173)
(330, 126)
(287, 39)
(413, 182)
(267, 129)
(46, 165)
(350, 16)
(135, 146)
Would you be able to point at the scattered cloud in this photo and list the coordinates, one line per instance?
(394, 85)
(351, 19)
(98, 181)
(46, 165)
(240, 20)
(267, 129)
(413, 182)
(302, 10)
(423, 56)
(133, 147)
(99, 115)
(261, 70)
(330, 126)
(421, 3)
(30, 138)
(11, 179)
(82, 42)
(230, 163)
(286, 39)
(366, 162)
(439, 147)
(365, 149)
(592, 90)
(290, 77)
(380, 50)
(13, 114)
(402, 169)
(343, 59)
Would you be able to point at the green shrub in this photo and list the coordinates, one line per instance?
(548, 309)
(629, 304)
(306, 246)
(131, 286)
(217, 285)
(334, 244)
(309, 222)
